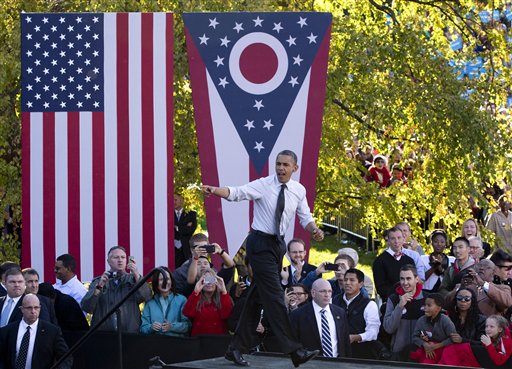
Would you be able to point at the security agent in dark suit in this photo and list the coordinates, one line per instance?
(16, 287)
(298, 268)
(32, 342)
(185, 224)
(309, 328)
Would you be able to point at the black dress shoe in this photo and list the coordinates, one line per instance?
(301, 356)
(236, 357)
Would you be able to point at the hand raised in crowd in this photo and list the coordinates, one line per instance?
(199, 252)
(218, 249)
(220, 285)
(290, 298)
(321, 268)
(485, 339)
(104, 279)
(240, 288)
(199, 285)
(404, 299)
(132, 267)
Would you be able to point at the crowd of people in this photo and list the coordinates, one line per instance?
(452, 306)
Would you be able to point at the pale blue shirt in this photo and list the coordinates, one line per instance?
(264, 192)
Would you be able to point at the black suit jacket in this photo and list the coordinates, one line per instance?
(69, 314)
(3, 292)
(305, 328)
(49, 346)
(185, 231)
(47, 311)
(306, 268)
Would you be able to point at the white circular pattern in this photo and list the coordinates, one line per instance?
(282, 63)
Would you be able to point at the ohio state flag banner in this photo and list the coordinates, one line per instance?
(258, 87)
(97, 139)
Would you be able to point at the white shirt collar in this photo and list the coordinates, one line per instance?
(317, 308)
(33, 326)
(352, 299)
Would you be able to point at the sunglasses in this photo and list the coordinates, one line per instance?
(506, 267)
(463, 298)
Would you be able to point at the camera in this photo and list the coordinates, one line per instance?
(112, 274)
(209, 280)
(330, 266)
(210, 249)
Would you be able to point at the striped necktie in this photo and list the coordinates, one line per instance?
(326, 335)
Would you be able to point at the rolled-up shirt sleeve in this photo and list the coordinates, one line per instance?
(304, 213)
(249, 191)
(371, 316)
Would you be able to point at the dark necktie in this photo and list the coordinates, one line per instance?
(21, 360)
(326, 335)
(280, 209)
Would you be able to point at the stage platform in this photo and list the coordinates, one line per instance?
(275, 361)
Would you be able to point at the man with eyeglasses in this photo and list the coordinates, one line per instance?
(298, 268)
(503, 262)
(493, 299)
(320, 325)
(31, 342)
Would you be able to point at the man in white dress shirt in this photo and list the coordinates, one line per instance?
(67, 281)
(277, 198)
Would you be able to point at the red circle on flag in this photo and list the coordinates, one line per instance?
(258, 63)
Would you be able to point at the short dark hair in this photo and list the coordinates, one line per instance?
(438, 232)
(303, 286)
(289, 153)
(13, 271)
(116, 248)
(295, 240)
(409, 268)
(198, 237)
(394, 230)
(46, 289)
(30, 271)
(6, 265)
(154, 281)
(463, 239)
(437, 298)
(359, 274)
(68, 261)
(499, 256)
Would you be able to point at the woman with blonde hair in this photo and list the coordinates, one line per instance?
(209, 306)
(470, 229)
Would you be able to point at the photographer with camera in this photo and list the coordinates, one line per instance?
(493, 299)
(209, 306)
(108, 289)
(201, 249)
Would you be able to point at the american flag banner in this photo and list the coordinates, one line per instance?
(258, 87)
(97, 139)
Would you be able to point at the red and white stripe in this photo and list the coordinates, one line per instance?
(93, 180)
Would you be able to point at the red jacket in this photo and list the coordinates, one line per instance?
(209, 320)
(499, 357)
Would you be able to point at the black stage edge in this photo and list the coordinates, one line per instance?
(278, 361)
